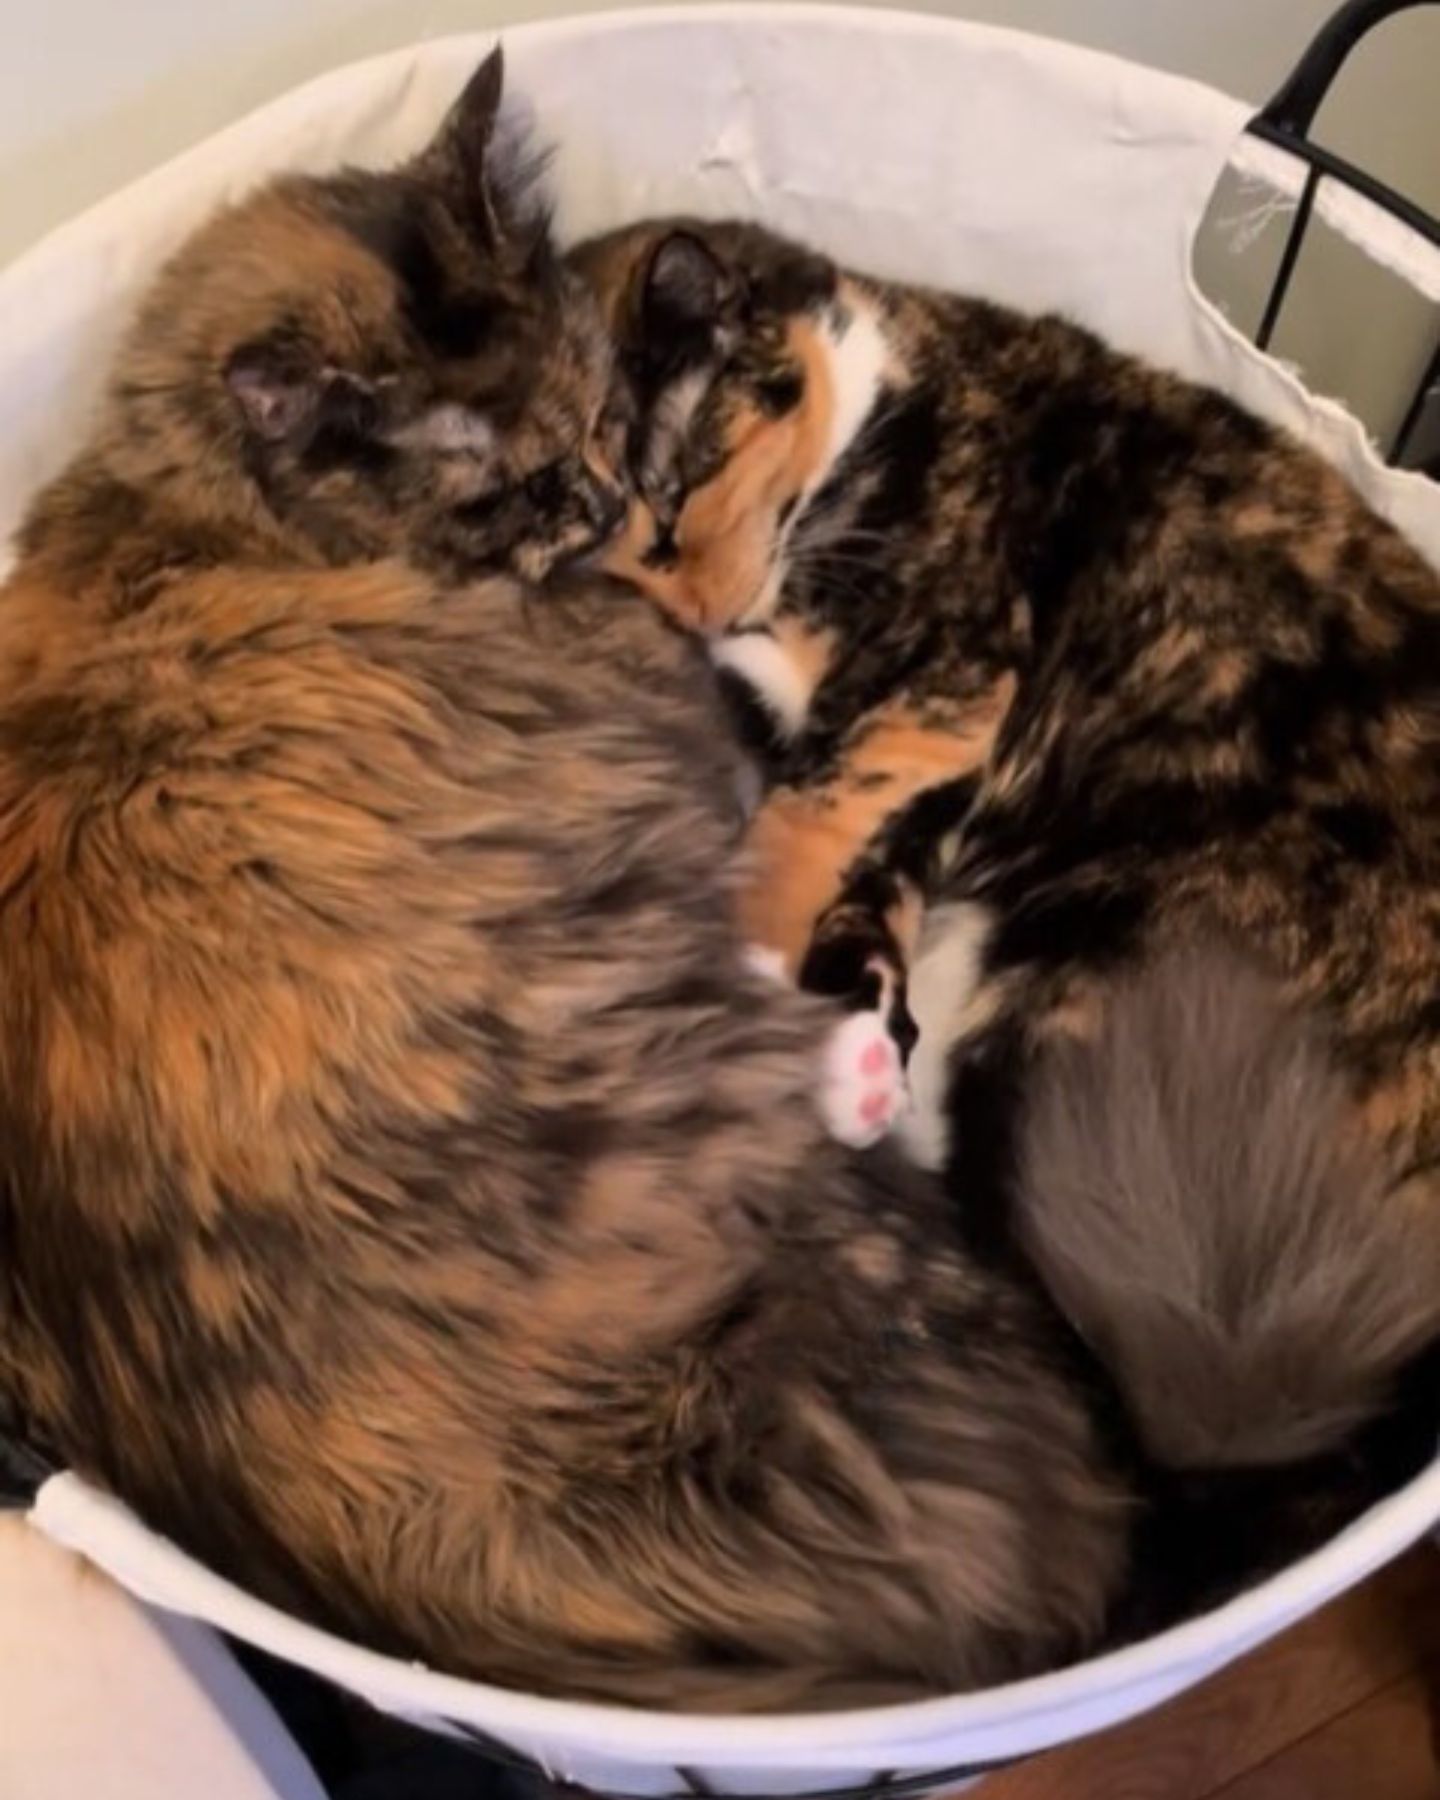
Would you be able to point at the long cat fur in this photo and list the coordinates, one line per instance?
(1242, 1264)
(1245, 1263)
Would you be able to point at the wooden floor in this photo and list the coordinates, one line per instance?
(1345, 1706)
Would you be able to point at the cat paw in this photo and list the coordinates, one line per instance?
(862, 1084)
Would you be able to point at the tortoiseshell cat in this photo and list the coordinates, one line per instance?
(409, 1199)
(1046, 632)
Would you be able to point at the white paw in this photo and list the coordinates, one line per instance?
(862, 1084)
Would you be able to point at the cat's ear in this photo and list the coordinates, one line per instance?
(460, 150)
(284, 395)
(686, 288)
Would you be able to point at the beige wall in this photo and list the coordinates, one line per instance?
(93, 92)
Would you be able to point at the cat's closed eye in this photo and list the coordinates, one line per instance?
(779, 393)
(447, 430)
(664, 494)
(612, 431)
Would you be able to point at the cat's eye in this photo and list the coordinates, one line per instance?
(350, 405)
(612, 430)
(780, 393)
(544, 488)
(664, 494)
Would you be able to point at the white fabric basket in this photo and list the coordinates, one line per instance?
(1010, 166)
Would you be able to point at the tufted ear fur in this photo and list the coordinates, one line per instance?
(687, 292)
(460, 151)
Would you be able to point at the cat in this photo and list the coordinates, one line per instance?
(1073, 667)
(1083, 646)
(411, 1199)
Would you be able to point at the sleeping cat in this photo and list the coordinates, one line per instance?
(1042, 632)
(1125, 687)
(410, 1199)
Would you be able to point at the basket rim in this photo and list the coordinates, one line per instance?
(99, 1527)
(884, 22)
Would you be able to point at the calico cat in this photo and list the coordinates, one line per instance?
(1104, 672)
(410, 1199)
(1047, 633)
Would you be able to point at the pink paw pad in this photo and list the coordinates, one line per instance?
(875, 1109)
(862, 1088)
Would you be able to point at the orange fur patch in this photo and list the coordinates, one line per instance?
(727, 534)
(804, 839)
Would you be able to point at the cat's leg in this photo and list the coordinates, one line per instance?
(863, 943)
(859, 956)
(861, 1090)
(857, 833)
(863, 947)
(839, 869)
(840, 925)
(860, 950)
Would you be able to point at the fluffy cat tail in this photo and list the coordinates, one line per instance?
(1196, 1196)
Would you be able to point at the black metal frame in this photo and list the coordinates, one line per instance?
(886, 1784)
(1286, 120)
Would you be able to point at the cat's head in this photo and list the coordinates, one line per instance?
(391, 363)
(739, 351)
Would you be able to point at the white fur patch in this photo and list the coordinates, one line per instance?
(677, 406)
(758, 659)
(859, 356)
(447, 427)
(943, 978)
